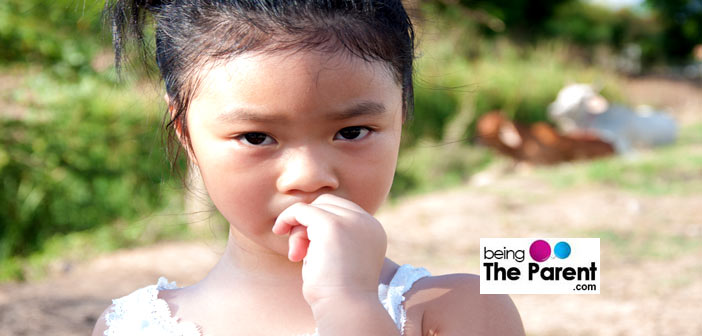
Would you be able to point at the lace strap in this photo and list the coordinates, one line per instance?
(143, 313)
(392, 295)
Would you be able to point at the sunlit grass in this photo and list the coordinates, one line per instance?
(431, 166)
(639, 245)
(674, 169)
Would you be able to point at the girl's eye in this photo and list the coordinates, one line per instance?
(352, 133)
(256, 139)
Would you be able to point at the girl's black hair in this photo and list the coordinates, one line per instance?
(191, 33)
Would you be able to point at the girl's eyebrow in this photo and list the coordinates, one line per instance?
(364, 108)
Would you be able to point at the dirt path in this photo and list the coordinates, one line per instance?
(643, 292)
(651, 251)
(69, 303)
(682, 99)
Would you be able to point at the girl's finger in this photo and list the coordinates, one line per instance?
(337, 201)
(298, 243)
(299, 214)
(335, 209)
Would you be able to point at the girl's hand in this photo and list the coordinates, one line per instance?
(343, 248)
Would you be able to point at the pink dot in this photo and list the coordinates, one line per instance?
(540, 250)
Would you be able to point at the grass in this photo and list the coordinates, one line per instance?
(641, 245)
(670, 170)
(431, 165)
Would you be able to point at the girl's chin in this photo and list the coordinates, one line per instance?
(263, 242)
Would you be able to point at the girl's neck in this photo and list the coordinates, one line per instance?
(251, 265)
(245, 266)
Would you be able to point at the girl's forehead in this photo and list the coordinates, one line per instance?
(280, 79)
(296, 65)
(302, 71)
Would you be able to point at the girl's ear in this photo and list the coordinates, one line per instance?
(178, 126)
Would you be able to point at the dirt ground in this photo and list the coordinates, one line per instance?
(651, 268)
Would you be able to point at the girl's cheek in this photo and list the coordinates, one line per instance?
(243, 197)
(242, 159)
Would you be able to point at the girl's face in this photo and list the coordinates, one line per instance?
(270, 130)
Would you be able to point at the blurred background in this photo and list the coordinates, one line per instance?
(90, 208)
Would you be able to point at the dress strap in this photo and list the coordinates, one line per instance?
(393, 295)
(143, 313)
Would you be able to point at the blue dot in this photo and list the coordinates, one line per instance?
(561, 250)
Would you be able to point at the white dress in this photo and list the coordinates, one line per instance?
(143, 313)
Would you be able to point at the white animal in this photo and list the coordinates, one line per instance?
(579, 108)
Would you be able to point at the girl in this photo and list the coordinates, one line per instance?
(292, 112)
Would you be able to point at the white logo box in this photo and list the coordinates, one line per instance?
(503, 273)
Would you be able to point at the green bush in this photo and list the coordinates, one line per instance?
(86, 153)
(590, 26)
(430, 166)
(62, 35)
(521, 82)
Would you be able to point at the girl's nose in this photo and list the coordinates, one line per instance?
(306, 171)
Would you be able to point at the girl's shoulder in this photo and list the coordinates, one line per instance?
(451, 304)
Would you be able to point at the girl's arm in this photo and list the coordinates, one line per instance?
(101, 324)
(353, 315)
(452, 305)
(449, 305)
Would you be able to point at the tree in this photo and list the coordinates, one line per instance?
(524, 19)
(682, 22)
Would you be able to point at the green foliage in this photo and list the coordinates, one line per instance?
(430, 166)
(434, 106)
(61, 250)
(582, 24)
(521, 82)
(682, 21)
(524, 18)
(80, 156)
(85, 154)
(62, 34)
(588, 25)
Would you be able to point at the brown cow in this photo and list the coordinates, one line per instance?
(538, 143)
